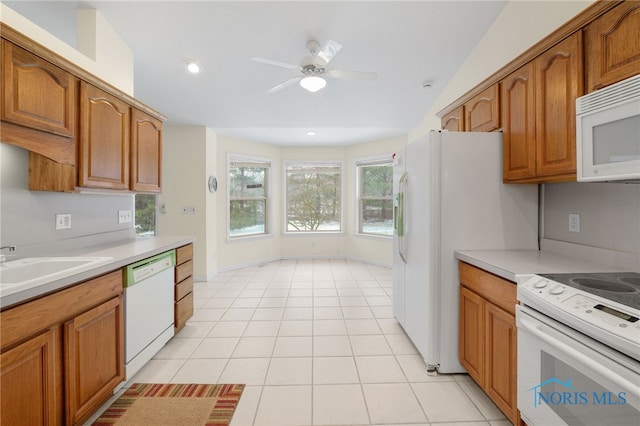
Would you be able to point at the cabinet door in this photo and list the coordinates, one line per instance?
(146, 152)
(40, 96)
(558, 84)
(30, 384)
(104, 140)
(94, 357)
(454, 121)
(613, 46)
(518, 124)
(471, 334)
(482, 112)
(500, 376)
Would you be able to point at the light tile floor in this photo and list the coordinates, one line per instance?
(316, 343)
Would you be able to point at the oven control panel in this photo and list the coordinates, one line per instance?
(608, 315)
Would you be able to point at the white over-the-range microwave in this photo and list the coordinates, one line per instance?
(608, 133)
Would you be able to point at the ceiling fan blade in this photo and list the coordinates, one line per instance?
(284, 84)
(352, 75)
(328, 51)
(276, 63)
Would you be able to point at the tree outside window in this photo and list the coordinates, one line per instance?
(375, 197)
(145, 218)
(313, 197)
(248, 197)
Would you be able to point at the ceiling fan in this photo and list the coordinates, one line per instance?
(314, 68)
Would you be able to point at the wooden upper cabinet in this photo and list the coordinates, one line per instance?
(454, 121)
(558, 83)
(482, 112)
(38, 104)
(613, 46)
(103, 154)
(518, 124)
(538, 115)
(146, 152)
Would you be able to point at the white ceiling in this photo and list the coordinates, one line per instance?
(406, 43)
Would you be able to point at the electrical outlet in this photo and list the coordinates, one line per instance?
(63, 221)
(574, 222)
(189, 210)
(124, 216)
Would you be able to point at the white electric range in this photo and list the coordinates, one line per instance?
(579, 349)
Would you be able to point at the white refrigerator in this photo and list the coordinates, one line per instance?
(449, 196)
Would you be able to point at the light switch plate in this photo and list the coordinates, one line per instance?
(124, 216)
(63, 221)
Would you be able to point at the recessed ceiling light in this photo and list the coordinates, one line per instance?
(311, 133)
(194, 67)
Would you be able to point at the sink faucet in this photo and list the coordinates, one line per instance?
(2, 256)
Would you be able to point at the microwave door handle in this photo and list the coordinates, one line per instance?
(538, 330)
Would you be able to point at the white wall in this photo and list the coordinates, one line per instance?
(609, 215)
(189, 157)
(249, 251)
(520, 25)
(100, 50)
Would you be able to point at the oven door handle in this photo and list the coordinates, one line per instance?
(538, 330)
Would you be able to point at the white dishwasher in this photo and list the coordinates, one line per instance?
(148, 309)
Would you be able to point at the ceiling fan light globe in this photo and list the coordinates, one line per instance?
(313, 83)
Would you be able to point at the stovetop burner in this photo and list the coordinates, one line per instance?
(621, 287)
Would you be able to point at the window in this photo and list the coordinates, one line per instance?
(248, 196)
(313, 197)
(145, 220)
(375, 196)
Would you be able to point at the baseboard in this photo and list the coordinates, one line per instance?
(277, 259)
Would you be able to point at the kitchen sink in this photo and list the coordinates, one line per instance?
(39, 270)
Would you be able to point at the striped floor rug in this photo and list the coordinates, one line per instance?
(173, 405)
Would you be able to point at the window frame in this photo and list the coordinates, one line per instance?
(285, 196)
(364, 162)
(244, 158)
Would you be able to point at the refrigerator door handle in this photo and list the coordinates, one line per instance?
(402, 217)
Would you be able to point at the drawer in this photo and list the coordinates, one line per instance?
(496, 290)
(183, 288)
(184, 271)
(183, 311)
(184, 253)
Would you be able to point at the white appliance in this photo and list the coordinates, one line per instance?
(579, 349)
(608, 133)
(449, 196)
(148, 309)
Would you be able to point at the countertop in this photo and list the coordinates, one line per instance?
(122, 253)
(509, 264)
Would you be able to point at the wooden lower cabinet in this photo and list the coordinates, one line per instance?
(471, 346)
(62, 354)
(500, 359)
(183, 296)
(92, 371)
(487, 336)
(30, 385)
